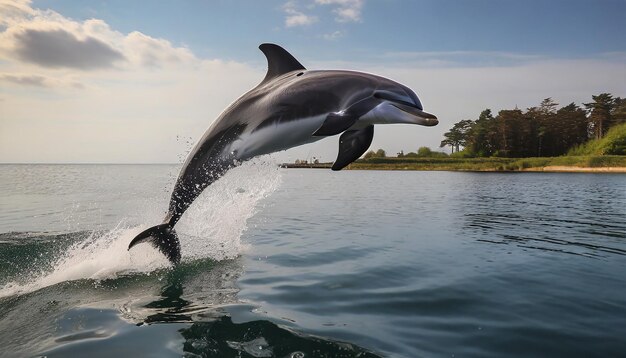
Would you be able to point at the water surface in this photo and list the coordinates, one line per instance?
(308, 263)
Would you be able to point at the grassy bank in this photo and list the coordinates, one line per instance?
(491, 164)
(613, 143)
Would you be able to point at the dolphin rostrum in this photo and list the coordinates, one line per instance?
(290, 107)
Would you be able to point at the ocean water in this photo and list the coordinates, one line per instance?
(313, 263)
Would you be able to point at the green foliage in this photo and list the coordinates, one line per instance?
(613, 143)
(369, 154)
(488, 164)
(426, 152)
(377, 154)
(601, 113)
(457, 136)
(461, 154)
(542, 131)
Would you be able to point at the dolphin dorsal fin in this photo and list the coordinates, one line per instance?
(279, 61)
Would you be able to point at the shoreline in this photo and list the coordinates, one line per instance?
(566, 164)
(548, 169)
(571, 169)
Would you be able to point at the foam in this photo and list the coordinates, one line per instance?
(211, 228)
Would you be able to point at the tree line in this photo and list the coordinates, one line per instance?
(422, 152)
(542, 131)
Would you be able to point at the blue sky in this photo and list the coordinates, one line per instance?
(135, 77)
(229, 28)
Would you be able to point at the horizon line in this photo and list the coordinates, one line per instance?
(82, 163)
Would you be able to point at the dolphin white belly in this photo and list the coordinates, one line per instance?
(276, 137)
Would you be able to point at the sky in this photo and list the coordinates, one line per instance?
(140, 81)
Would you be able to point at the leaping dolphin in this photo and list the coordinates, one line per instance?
(290, 107)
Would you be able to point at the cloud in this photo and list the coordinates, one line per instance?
(49, 40)
(296, 17)
(346, 10)
(14, 11)
(333, 36)
(60, 48)
(28, 80)
(35, 80)
(459, 58)
(152, 52)
(299, 19)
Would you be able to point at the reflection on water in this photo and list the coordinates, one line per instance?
(186, 311)
(223, 338)
(191, 292)
(215, 335)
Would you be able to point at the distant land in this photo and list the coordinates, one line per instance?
(605, 152)
(577, 164)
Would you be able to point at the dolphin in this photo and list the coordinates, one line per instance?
(292, 106)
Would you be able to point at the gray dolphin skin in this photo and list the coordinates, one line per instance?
(290, 107)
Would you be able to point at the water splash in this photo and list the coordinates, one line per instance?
(100, 256)
(211, 228)
(213, 225)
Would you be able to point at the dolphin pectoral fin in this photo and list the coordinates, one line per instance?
(164, 238)
(279, 61)
(352, 144)
(336, 123)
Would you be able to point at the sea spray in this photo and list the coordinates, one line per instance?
(213, 225)
(100, 256)
(210, 229)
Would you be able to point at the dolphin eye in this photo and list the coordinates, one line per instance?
(299, 74)
(392, 97)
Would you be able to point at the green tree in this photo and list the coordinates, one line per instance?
(512, 131)
(545, 130)
(573, 128)
(481, 134)
(381, 153)
(457, 136)
(424, 152)
(619, 112)
(548, 106)
(600, 113)
(542, 128)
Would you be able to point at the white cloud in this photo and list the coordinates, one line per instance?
(346, 10)
(296, 17)
(151, 52)
(35, 80)
(47, 39)
(333, 35)
(14, 11)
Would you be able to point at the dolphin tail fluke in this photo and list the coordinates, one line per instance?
(164, 238)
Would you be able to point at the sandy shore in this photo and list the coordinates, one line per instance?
(559, 168)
